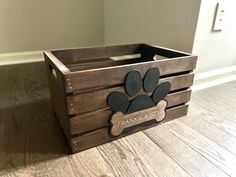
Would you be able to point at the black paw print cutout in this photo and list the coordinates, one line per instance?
(119, 102)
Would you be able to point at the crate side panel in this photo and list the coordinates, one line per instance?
(73, 56)
(57, 94)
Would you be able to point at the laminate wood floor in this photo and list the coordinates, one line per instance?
(32, 144)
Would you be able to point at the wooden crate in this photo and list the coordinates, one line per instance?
(81, 81)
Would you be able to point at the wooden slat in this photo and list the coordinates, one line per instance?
(94, 60)
(71, 56)
(191, 161)
(101, 136)
(207, 148)
(151, 50)
(58, 97)
(102, 64)
(98, 119)
(75, 55)
(98, 99)
(164, 50)
(107, 77)
(55, 63)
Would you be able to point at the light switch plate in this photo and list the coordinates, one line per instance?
(219, 17)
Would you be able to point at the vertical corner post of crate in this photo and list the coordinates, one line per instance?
(56, 71)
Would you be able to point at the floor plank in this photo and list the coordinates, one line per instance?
(28, 130)
(90, 163)
(137, 155)
(220, 99)
(24, 171)
(210, 131)
(207, 148)
(60, 167)
(214, 118)
(87, 163)
(190, 160)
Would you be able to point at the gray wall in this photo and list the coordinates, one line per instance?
(170, 23)
(27, 25)
(215, 49)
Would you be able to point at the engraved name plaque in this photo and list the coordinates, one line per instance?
(120, 121)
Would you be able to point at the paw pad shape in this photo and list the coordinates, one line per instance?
(155, 92)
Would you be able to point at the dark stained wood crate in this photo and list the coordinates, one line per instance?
(81, 81)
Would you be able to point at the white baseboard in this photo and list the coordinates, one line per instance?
(214, 78)
(20, 57)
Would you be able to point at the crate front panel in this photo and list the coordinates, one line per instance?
(97, 113)
(89, 110)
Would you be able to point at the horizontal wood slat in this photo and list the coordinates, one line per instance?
(54, 63)
(101, 136)
(75, 55)
(107, 77)
(102, 64)
(86, 122)
(94, 100)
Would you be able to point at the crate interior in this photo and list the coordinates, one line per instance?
(93, 58)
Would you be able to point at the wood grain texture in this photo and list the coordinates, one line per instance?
(195, 164)
(209, 149)
(55, 63)
(218, 96)
(102, 64)
(72, 56)
(214, 118)
(90, 163)
(126, 157)
(26, 120)
(223, 138)
(55, 70)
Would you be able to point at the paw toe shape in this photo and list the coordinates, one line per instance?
(118, 102)
(133, 83)
(161, 92)
(139, 103)
(151, 79)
